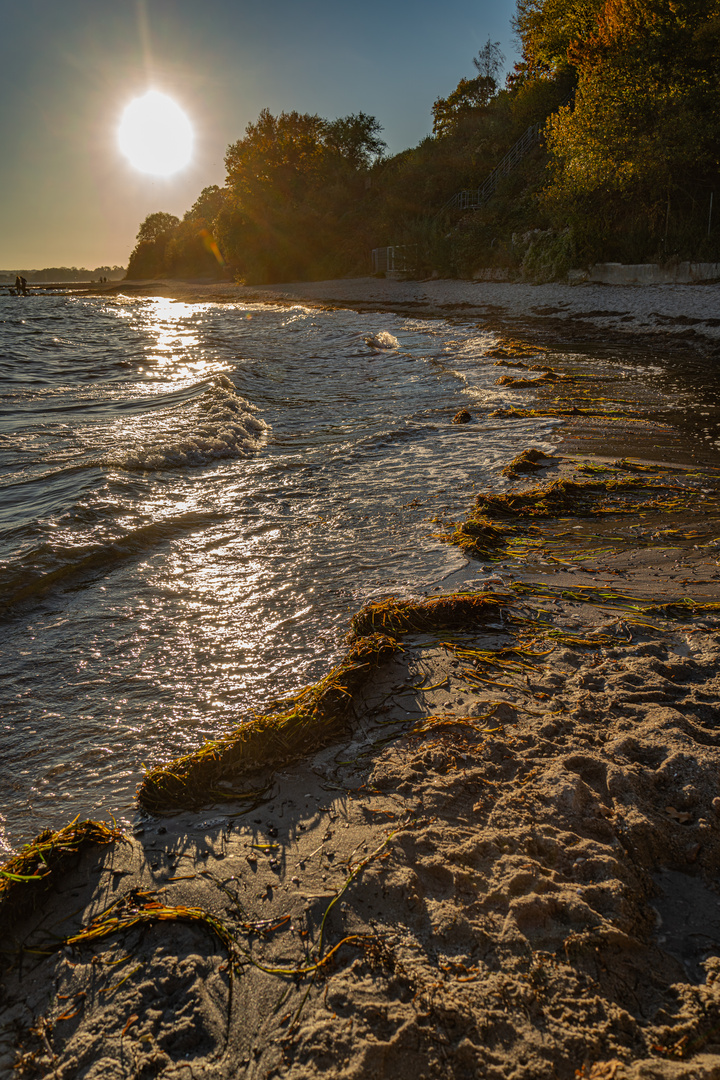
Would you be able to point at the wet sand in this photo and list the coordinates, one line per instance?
(685, 317)
(507, 869)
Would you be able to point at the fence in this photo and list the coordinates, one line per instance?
(394, 261)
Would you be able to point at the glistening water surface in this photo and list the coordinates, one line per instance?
(193, 501)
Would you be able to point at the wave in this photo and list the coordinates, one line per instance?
(219, 423)
(63, 562)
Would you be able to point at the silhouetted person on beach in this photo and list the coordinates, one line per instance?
(18, 285)
(23, 286)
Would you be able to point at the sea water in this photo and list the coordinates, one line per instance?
(194, 499)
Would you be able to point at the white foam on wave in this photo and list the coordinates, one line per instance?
(220, 423)
(382, 340)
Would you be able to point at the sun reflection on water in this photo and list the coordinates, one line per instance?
(174, 347)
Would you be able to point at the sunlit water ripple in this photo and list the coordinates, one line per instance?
(195, 498)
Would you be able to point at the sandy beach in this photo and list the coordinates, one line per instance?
(505, 863)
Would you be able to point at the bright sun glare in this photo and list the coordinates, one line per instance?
(155, 134)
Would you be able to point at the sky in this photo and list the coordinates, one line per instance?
(68, 68)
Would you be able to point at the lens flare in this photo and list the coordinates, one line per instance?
(155, 135)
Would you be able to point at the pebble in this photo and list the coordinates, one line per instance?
(716, 805)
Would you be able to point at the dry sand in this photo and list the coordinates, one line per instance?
(509, 869)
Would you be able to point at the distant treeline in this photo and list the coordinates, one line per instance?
(66, 273)
(627, 97)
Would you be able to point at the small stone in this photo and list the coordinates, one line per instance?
(716, 805)
(692, 852)
(462, 417)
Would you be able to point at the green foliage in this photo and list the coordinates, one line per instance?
(356, 140)
(645, 128)
(468, 96)
(147, 259)
(156, 227)
(548, 256)
(298, 199)
(548, 28)
(207, 206)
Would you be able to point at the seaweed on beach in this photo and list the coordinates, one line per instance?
(481, 537)
(511, 412)
(549, 376)
(526, 462)
(506, 521)
(509, 348)
(26, 876)
(142, 908)
(299, 726)
(391, 615)
(586, 498)
(316, 716)
(521, 364)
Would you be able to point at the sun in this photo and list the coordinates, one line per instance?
(155, 135)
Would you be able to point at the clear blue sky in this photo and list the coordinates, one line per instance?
(68, 68)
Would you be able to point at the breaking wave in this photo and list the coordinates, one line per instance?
(382, 340)
(219, 423)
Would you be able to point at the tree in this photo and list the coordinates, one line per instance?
(356, 138)
(207, 206)
(295, 188)
(489, 60)
(280, 154)
(645, 128)
(155, 226)
(648, 105)
(548, 28)
(467, 98)
(147, 258)
(469, 95)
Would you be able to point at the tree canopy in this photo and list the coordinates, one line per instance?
(156, 226)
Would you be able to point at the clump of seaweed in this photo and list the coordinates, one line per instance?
(26, 876)
(507, 348)
(526, 462)
(504, 521)
(549, 376)
(512, 413)
(633, 466)
(583, 498)
(480, 537)
(462, 417)
(391, 615)
(300, 725)
(521, 364)
(140, 909)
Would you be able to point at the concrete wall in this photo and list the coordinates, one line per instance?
(646, 273)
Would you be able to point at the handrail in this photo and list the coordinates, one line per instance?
(473, 198)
